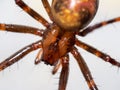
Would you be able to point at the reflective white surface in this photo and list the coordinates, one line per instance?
(24, 75)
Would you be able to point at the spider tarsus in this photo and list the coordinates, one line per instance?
(112, 61)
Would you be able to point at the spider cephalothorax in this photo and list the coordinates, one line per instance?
(56, 44)
(59, 38)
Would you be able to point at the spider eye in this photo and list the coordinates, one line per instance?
(73, 14)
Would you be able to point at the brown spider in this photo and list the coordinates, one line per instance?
(59, 38)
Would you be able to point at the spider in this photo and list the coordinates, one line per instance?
(69, 19)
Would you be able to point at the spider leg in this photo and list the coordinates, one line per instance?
(21, 29)
(19, 55)
(96, 52)
(31, 12)
(94, 27)
(47, 8)
(85, 70)
(64, 73)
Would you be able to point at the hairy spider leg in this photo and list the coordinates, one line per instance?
(47, 8)
(20, 54)
(84, 69)
(32, 13)
(64, 73)
(64, 62)
(94, 27)
(21, 29)
(96, 52)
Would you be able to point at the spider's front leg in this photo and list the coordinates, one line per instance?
(20, 54)
(85, 70)
(64, 73)
(64, 62)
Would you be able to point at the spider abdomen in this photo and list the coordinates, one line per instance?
(73, 14)
(56, 44)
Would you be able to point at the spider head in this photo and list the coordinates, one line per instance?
(73, 14)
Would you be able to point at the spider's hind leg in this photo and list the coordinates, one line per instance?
(31, 12)
(98, 25)
(47, 8)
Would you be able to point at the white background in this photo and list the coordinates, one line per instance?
(24, 75)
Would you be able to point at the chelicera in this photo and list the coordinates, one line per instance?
(69, 18)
